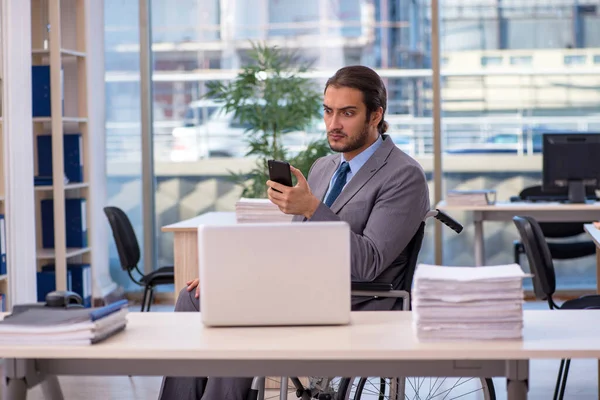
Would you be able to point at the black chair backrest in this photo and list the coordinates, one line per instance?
(124, 235)
(538, 255)
(557, 229)
(414, 247)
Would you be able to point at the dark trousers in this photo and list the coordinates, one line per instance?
(191, 388)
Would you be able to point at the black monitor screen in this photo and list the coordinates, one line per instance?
(571, 160)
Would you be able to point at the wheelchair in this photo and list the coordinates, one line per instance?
(396, 388)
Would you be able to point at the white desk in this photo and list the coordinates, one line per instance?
(543, 212)
(595, 234)
(375, 344)
(185, 243)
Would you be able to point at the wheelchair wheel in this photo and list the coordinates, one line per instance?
(375, 388)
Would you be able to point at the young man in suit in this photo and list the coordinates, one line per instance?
(380, 191)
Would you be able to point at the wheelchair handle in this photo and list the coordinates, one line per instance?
(446, 220)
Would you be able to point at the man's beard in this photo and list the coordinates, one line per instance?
(353, 143)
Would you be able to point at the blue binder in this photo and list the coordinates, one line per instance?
(75, 224)
(73, 156)
(79, 280)
(40, 91)
(46, 283)
(3, 269)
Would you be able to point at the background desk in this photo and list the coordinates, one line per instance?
(543, 212)
(375, 344)
(185, 243)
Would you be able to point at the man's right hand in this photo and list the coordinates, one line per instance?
(193, 284)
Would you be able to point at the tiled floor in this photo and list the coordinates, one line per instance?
(582, 382)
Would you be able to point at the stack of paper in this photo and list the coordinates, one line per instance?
(471, 197)
(259, 210)
(468, 303)
(40, 325)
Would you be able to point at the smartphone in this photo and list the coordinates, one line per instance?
(279, 171)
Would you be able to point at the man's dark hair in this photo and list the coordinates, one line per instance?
(369, 83)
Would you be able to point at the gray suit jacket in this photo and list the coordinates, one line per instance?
(384, 204)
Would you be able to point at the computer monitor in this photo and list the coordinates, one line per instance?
(571, 161)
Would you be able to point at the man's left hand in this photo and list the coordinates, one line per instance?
(296, 200)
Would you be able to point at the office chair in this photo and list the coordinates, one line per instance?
(557, 230)
(322, 388)
(544, 283)
(129, 256)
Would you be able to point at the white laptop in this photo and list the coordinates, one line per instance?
(275, 274)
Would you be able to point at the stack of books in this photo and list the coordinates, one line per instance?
(468, 303)
(42, 325)
(259, 210)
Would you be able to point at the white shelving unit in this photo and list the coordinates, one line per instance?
(58, 40)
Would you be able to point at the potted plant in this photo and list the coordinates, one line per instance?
(276, 103)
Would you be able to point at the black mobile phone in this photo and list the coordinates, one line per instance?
(279, 171)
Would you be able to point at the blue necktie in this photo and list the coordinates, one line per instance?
(339, 183)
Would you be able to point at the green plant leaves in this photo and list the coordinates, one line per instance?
(270, 97)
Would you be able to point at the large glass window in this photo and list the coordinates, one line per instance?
(123, 133)
(498, 101)
(197, 145)
(498, 96)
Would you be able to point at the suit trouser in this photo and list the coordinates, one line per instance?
(191, 388)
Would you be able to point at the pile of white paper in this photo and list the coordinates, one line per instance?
(468, 303)
(470, 197)
(259, 210)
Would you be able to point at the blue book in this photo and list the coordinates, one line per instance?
(46, 283)
(40, 91)
(73, 156)
(75, 223)
(3, 268)
(79, 279)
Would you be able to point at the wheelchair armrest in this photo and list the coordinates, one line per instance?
(372, 286)
(403, 294)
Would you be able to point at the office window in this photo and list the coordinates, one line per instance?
(197, 146)
(460, 35)
(123, 133)
(492, 118)
(590, 29)
(574, 60)
(539, 34)
(491, 61)
(521, 60)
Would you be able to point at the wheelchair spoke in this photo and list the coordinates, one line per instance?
(447, 391)
(431, 396)
(463, 395)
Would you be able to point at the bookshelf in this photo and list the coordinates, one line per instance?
(60, 125)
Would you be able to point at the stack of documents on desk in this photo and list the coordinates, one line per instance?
(468, 303)
(39, 325)
(471, 197)
(259, 210)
